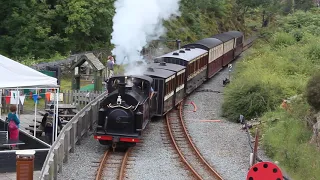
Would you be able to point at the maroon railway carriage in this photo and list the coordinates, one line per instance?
(195, 60)
(178, 81)
(163, 81)
(228, 50)
(215, 48)
(238, 41)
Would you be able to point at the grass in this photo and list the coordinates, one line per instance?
(29, 106)
(287, 141)
(65, 83)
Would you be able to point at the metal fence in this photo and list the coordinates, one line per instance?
(71, 134)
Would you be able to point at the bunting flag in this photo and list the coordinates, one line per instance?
(31, 94)
(22, 98)
(7, 99)
(14, 97)
(48, 94)
(35, 98)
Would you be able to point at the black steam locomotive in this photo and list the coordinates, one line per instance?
(134, 100)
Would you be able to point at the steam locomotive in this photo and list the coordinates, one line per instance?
(133, 100)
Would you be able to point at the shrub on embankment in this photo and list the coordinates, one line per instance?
(279, 67)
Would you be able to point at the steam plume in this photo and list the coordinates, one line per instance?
(135, 24)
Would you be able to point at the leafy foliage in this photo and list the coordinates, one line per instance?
(313, 93)
(42, 29)
(282, 40)
(287, 142)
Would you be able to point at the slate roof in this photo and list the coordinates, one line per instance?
(91, 59)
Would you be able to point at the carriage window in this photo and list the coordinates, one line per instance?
(167, 88)
(202, 61)
(196, 65)
(192, 68)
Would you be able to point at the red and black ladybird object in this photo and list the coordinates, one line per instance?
(265, 171)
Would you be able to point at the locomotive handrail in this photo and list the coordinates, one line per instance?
(69, 136)
(130, 107)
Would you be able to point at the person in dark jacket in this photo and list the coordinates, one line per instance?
(49, 125)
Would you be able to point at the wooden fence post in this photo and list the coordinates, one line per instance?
(79, 130)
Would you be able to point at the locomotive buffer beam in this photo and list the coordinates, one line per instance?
(115, 139)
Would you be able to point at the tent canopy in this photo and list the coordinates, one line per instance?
(14, 74)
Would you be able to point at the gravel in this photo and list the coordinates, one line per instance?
(155, 158)
(223, 144)
(82, 163)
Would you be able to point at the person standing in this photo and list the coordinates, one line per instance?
(14, 123)
(49, 126)
(110, 65)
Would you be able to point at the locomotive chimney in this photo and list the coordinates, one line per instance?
(122, 88)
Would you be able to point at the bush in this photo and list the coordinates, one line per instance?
(314, 52)
(249, 98)
(313, 93)
(282, 40)
(297, 34)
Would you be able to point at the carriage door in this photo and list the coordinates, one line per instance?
(153, 101)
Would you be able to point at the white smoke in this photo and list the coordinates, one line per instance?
(135, 24)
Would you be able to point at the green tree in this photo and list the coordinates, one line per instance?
(86, 23)
(25, 30)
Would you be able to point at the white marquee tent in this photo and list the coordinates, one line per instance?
(14, 75)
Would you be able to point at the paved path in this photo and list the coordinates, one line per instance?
(12, 176)
(25, 119)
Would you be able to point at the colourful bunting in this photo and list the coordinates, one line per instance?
(35, 98)
(22, 98)
(7, 99)
(48, 96)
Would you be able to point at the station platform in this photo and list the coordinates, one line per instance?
(12, 176)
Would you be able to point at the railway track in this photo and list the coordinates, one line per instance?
(113, 165)
(187, 151)
(249, 43)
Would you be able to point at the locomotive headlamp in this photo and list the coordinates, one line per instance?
(119, 100)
